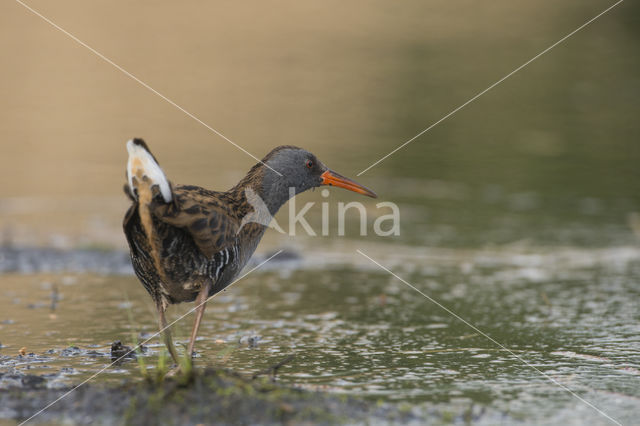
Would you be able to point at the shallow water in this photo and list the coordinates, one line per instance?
(520, 213)
(354, 329)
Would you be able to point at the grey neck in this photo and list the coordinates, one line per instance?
(275, 191)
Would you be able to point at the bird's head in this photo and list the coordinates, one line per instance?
(288, 167)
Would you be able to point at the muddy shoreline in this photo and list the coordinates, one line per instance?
(209, 396)
(33, 260)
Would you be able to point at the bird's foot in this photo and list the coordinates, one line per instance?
(175, 371)
(182, 370)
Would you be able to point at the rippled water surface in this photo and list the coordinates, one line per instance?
(566, 315)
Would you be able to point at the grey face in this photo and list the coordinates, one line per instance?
(300, 169)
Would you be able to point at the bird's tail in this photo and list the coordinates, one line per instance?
(144, 173)
(147, 183)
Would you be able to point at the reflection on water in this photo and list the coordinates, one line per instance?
(354, 329)
(550, 155)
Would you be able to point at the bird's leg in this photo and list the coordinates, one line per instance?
(201, 303)
(166, 333)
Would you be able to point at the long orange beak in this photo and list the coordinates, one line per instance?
(334, 179)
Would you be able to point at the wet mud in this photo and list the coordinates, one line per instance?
(210, 396)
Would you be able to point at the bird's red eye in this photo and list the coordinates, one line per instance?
(309, 163)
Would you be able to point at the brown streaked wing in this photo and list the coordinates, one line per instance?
(210, 221)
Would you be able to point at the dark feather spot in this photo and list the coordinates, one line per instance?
(199, 225)
(193, 210)
(213, 222)
(140, 142)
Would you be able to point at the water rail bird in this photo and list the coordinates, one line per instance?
(188, 243)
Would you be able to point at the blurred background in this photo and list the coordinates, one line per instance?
(550, 156)
(521, 212)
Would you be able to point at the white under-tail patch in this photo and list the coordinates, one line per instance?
(141, 163)
(145, 171)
